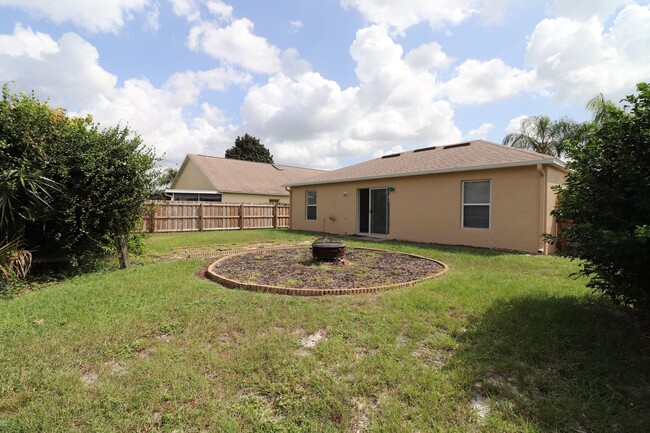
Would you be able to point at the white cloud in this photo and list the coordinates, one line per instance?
(514, 125)
(152, 18)
(295, 25)
(400, 15)
(236, 44)
(586, 9)
(188, 9)
(220, 9)
(307, 119)
(406, 13)
(26, 42)
(497, 11)
(159, 118)
(187, 86)
(428, 56)
(94, 16)
(479, 133)
(381, 152)
(477, 82)
(67, 70)
(578, 59)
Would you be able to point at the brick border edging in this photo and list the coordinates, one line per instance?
(295, 291)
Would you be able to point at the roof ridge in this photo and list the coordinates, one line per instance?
(514, 148)
(254, 162)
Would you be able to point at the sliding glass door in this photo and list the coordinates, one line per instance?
(373, 210)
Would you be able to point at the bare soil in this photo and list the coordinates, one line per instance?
(295, 268)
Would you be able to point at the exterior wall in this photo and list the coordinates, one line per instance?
(554, 177)
(428, 208)
(252, 198)
(191, 177)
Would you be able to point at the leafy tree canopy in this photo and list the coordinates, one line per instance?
(607, 199)
(67, 185)
(249, 148)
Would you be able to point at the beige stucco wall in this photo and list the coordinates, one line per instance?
(428, 208)
(252, 198)
(554, 177)
(191, 177)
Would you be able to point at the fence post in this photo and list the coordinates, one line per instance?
(152, 219)
(241, 216)
(275, 216)
(200, 216)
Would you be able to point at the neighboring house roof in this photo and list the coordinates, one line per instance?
(472, 155)
(246, 177)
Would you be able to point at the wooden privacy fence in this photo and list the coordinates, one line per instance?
(196, 216)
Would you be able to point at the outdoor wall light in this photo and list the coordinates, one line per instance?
(391, 189)
(345, 194)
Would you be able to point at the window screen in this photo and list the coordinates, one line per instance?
(476, 204)
(311, 205)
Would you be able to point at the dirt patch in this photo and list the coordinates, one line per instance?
(295, 268)
(481, 407)
(89, 376)
(310, 341)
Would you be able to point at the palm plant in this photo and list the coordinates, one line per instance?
(24, 198)
(14, 260)
(543, 135)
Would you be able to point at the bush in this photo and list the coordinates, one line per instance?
(86, 183)
(607, 199)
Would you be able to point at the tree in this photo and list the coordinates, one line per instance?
(606, 198)
(543, 135)
(94, 181)
(166, 177)
(249, 148)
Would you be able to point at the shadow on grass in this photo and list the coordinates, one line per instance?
(558, 364)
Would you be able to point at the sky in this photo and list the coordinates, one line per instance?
(322, 83)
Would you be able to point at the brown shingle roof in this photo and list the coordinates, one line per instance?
(473, 155)
(235, 176)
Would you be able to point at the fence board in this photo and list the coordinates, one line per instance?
(191, 216)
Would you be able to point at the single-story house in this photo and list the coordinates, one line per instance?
(210, 178)
(475, 193)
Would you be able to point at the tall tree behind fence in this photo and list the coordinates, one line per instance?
(193, 216)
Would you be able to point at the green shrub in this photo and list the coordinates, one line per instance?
(607, 199)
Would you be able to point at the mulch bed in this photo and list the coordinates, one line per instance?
(295, 268)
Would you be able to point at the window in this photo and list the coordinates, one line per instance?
(476, 204)
(311, 205)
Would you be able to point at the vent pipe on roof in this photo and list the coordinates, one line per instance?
(453, 146)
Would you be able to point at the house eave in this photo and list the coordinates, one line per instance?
(545, 161)
(191, 191)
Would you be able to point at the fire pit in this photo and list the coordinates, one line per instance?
(328, 248)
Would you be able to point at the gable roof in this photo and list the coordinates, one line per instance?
(468, 156)
(246, 177)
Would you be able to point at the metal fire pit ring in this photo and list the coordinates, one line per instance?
(328, 248)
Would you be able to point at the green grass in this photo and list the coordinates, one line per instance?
(154, 348)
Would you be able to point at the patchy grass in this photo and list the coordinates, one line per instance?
(501, 343)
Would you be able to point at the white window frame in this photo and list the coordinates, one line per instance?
(307, 205)
(463, 204)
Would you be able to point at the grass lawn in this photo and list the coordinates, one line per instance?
(500, 343)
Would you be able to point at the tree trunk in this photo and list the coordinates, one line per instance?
(122, 250)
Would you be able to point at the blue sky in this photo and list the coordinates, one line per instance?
(322, 83)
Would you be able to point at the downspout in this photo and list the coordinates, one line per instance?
(288, 189)
(541, 245)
